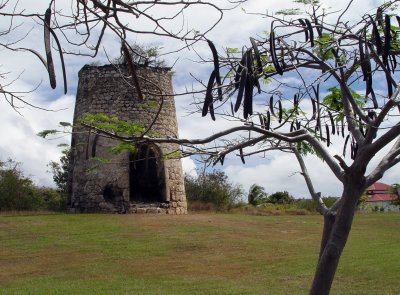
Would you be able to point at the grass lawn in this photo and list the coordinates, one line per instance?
(193, 254)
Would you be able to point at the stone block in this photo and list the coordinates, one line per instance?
(141, 210)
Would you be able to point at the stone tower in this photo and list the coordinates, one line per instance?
(144, 181)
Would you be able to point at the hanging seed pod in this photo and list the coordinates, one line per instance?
(376, 36)
(47, 46)
(239, 70)
(283, 65)
(215, 162)
(332, 122)
(257, 55)
(388, 39)
(208, 100)
(298, 125)
(241, 156)
(249, 61)
(318, 110)
(211, 109)
(268, 121)
(280, 110)
(374, 101)
(314, 108)
(393, 62)
(362, 59)
(216, 67)
(257, 84)
(248, 97)
(337, 128)
(248, 90)
(262, 122)
(328, 140)
(232, 110)
(61, 58)
(367, 68)
(242, 85)
(222, 159)
(302, 22)
(342, 128)
(295, 101)
(310, 31)
(379, 16)
(318, 27)
(273, 53)
(271, 105)
(292, 127)
(345, 145)
(318, 127)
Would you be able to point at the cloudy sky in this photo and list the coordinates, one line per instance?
(18, 140)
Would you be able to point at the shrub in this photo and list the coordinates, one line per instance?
(280, 198)
(18, 192)
(212, 188)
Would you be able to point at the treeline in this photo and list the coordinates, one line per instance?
(19, 193)
(213, 191)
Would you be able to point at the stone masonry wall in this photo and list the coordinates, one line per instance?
(106, 89)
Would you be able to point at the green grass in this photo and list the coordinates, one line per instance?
(193, 254)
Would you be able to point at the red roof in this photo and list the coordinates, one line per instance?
(379, 192)
(379, 186)
(382, 197)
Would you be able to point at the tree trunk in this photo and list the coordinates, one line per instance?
(335, 234)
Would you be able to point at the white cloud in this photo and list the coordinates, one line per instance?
(21, 143)
(189, 167)
(281, 173)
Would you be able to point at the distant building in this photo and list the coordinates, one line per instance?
(380, 197)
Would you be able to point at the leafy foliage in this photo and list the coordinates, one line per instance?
(18, 192)
(212, 187)
(257, 195)
(281, 198)
(114, 125)
(61, 175)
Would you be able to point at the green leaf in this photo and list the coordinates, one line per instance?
(231, 50)
(65, 124)
(289, 11)
(123, 146)
(46, 133)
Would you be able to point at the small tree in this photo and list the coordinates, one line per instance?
(214, 188)
(257, 195)
(280, 198)
(61, 174)
(17, 192)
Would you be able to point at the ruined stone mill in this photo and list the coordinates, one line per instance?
(144, 181)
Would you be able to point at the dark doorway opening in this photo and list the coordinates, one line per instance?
(112, 193)
(146, 177)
